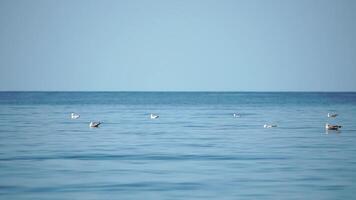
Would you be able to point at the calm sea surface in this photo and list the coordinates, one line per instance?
(195, 150)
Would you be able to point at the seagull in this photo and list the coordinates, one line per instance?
(154, 116)
(332, 127)
(74, 115)
(94, 124)
(333, 115)
(269, 126)
(236, 115)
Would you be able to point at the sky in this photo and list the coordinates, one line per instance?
(177, 45)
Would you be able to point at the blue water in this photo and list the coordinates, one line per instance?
(195, 150)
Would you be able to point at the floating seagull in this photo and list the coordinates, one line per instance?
(332, 115)
(94, 124)
(74, 115)
(154, 116)
(237, 115)
(269, 126)
(332, 127)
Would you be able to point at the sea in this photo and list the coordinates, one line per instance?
(196, 149)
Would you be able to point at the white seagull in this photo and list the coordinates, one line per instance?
(236, 115)
(269, 126)
(332, 127)
(154, 116)
(94, 124)
(333, 115)
(74, 115)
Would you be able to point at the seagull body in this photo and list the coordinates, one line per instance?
(332, 127)
(94, 124)
(333, 115)
(236, 115)
(269, 126)
(152, 116)
(74, 115)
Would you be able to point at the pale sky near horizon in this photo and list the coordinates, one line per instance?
(185, 45)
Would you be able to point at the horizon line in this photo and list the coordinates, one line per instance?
(187, 91)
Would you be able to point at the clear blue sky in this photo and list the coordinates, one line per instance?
(184, 45)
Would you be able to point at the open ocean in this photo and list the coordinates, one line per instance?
(196, 149)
